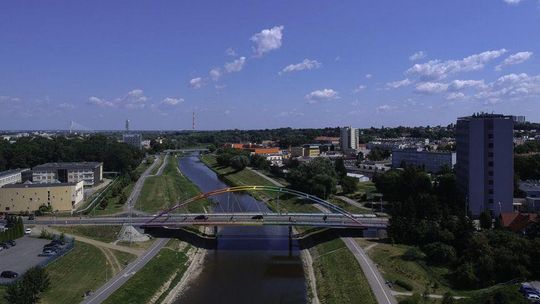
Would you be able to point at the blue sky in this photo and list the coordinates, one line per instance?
(265, 64)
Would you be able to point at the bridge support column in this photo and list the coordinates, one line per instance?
(290, 240)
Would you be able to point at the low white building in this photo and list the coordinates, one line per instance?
(275, 159)
(11, 177)
(361, 178)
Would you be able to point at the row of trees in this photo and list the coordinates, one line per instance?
(430, 213)
(239, 159)
(15, 229)
(29, 288)
(527, 167)
(117, 190)
(28, 152)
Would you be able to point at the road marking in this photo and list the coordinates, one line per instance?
(355, 245)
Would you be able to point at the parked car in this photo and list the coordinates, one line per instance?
(201, 218)
(27, 231)
(257, 217)
(9, 274)
(533, 297)
(31, 217)
(57, 242)
(52, 248)
(11, 243)
(48, 253)
(527, 289)
(4, 245)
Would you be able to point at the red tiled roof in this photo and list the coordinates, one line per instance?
(517, 221)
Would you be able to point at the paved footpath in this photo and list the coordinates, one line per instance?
(121, 278)
(382, 292)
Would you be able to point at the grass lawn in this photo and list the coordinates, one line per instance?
(160, 192)
(80, 270)
(2, 293)
(142, 286)
(339, 276)
(348, 207)
(367, 188)
(105, 234)
(114, 206)
(247, 177)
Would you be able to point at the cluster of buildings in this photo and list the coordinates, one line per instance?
(58, 186)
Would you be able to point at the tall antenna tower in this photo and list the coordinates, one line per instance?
(127, 125)
(193, 125)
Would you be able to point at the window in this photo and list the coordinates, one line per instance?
(490, 145)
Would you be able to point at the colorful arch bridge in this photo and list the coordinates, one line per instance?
(331, 215)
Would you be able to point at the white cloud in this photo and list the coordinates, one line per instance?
(196, 83)
(66, 106)
(431, 87)
(291, 113)
(267, 40)
(458, 84)
(227, 112)
(512, 2)
(215, 74)
(306, 64)
(360, 88)
(417, 56)
(5, 99)
(171, 101)
(235, 66)
(437, 69)
(134, 99)
(368, 76)
(322, 95)
(516, 58)
(399, 83)
(230, 52)
(455, 96)
(100, 102)
(385, 108)
(511, 87)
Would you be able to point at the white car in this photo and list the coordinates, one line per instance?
(27, 231)
(533, 297)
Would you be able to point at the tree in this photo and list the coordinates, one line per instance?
(378, 154)
(485, 220)
(27, 290)
(339, 166)
(239, 162)
(440, 254)
(317, 177)
(448, 298)
(349, 184)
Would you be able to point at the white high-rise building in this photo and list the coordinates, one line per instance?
(349, 138)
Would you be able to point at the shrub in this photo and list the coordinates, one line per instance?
(440, 253)
(413, 254)
(403, 284)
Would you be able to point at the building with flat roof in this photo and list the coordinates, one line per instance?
(430, 161)
(91, 173)
(133, 139)
(13, 176)
(485, 162)
(349, 138)
(63, 197)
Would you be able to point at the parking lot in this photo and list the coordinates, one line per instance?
(23, 256)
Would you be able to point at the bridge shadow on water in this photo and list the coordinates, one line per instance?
(304, 240)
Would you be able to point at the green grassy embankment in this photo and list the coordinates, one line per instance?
(338, 275)
(244, 177)
(82, 269)
(105, 234)
(168, 263)
(160, 192)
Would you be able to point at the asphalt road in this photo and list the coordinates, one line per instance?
(225, 219)
(382, 292)
(121, 278)
(134, 195)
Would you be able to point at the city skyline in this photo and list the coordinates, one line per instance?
(266, 65)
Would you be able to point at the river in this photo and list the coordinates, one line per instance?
(250, 264)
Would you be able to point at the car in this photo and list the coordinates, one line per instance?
(11, 243)
(31, 217)
(47, 253)
(527, 289)
(27, 231)
(201, 217)
(4, 245)
(51, 247)
(57, 242)
(9, 274)
(532, 297)
(257, 217)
